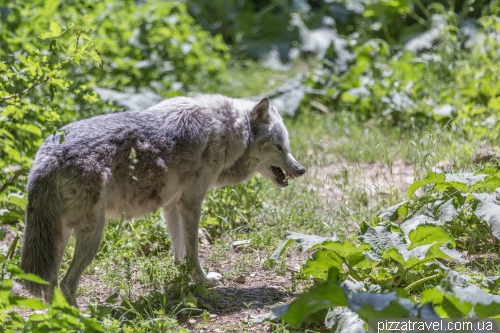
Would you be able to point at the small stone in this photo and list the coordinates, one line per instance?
(241, 243)
(280, 280)
(204, 236)
(192, 321)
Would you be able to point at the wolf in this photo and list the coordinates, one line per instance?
(130, 164)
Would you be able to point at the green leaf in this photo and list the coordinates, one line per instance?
(447, 211)
(202, 290)
(453, 278)
(431, 178)
(389, 305)
(433, 295)
(5, 289)
(325, 295)
(33, 278)
(30, 128)
(58, 300)
(319, 264)
(18, 199)
(486, 305)
(352, 254)
(454, 307)
(51, 5)
(7, 215)
(39, 317)
(190, 300)
(394, 212)
(277, 253)
(344, 320)
(112, 298)
(462, 181)
(428, 234)
(416, 221)
(307, 242)
(30, 303)
(422, 254)
(382, 238)
(206, 317)
(19, 273)
(494, 103)
(492, 283)
(55, 31)
(303, 240)
(490, 183)
(488, 211)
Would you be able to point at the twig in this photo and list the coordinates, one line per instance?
(13, 179)
(10, 222)
(25, 91)
(12, 248)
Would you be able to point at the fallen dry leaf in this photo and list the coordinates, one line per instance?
(240, 279)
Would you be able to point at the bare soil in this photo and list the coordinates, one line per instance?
(342, 179)
(243, 302)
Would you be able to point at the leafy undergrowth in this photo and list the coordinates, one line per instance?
(410, 261)
(424, 257)
(449, 84)
(58, 317)
(134, 285)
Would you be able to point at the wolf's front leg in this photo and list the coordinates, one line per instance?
(190, 211)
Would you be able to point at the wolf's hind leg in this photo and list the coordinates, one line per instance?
(66, 234)
(174, 223)
(88, 240)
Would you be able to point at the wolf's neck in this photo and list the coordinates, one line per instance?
(242, 170)
(244, 163)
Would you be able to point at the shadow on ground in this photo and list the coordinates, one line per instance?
(224, 300)
(220, 301)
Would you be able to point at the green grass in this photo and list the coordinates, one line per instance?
(134, 269)
(262, 213)
(355, 170)
(246, 78)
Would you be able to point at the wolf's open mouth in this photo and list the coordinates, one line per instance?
(282, 176)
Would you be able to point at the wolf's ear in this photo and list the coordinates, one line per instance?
(260, 111)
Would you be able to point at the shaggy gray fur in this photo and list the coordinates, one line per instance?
(133, 163)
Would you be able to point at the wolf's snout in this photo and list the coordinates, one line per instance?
(301, 170)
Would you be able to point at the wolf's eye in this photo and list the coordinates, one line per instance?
(280, 148)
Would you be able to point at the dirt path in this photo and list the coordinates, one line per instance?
(246, 305)
(342, 179)
(243, 303)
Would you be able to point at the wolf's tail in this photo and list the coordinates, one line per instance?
(42, 239)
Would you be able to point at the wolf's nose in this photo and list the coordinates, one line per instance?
(301, 171)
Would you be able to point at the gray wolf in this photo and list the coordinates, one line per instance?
(132, 163)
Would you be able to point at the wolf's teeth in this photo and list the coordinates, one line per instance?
(288, 176)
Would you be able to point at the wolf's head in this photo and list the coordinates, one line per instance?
(272, 145)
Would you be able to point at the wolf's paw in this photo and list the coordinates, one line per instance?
(213, 278)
